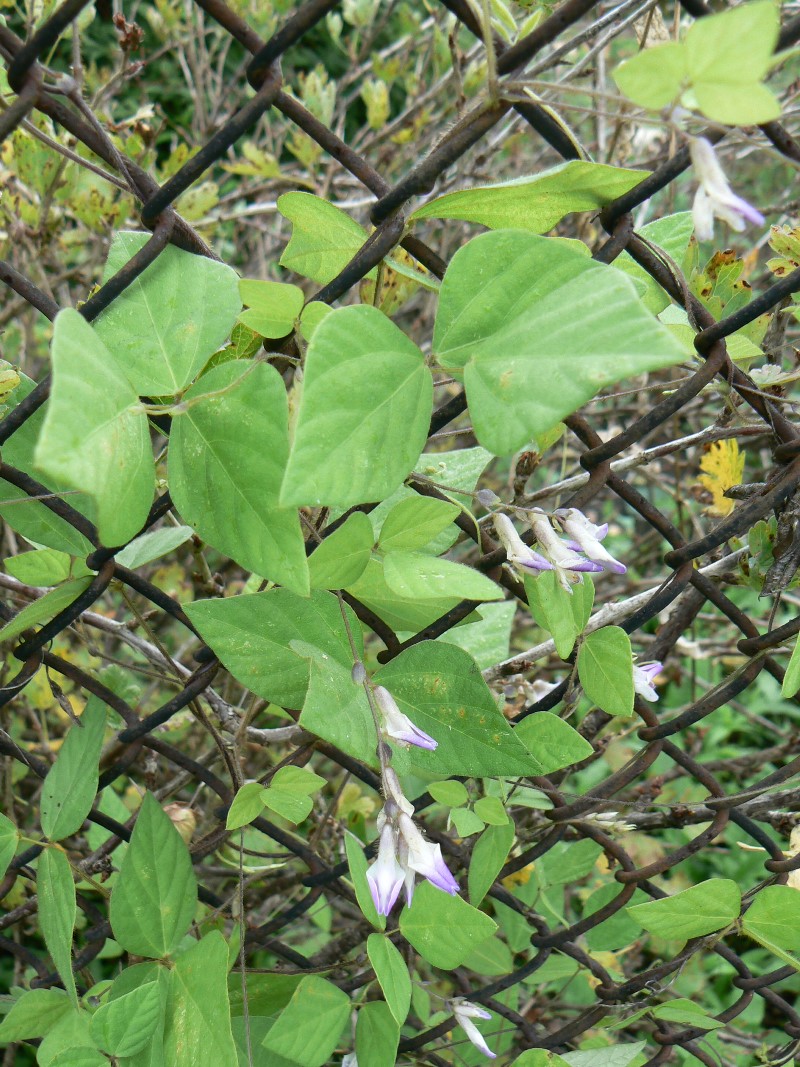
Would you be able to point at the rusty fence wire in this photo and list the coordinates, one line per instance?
(689, 587)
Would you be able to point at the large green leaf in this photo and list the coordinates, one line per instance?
(252, 636)
(377, 1035)
(71, 783)
(537, 202)
(774, 918)
(55, 889)
(95, 437)
(162, 329)
(29, 517)
(537, 330)
(485, 634)
(154, 899)
(443, 929)
(308, 1029)
(440, 688)
(227, 455)
(605, 669)
(414, 522)
(553, 742)
(364, 413)
(392, 974)
(701, 909)
(324, 238)
(198, 1020)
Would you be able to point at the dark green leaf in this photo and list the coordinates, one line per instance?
(392, 974)
(488, 856)
(57, 910)
(699, 910)
(71, 783)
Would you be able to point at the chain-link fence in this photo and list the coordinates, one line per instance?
(684, 613)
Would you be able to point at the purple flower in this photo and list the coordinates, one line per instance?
(586, 538)
(643, 677)
(397, 725)
(465, 1011)
(565, 560)
(517, 552)
(714, 197)
(385, 875)
(424, 858)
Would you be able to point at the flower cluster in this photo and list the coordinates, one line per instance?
(571, 558)
(714, 197)
(398, 726)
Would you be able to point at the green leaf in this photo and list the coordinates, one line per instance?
(392, 974)
(289, 793)
(353, 445)
(153, 545)
(57, 910)
(154, 899)
(672, 234)
(31, 518)
(44, 608)
(442, 691)
(163, 327)
(414, 522)
(35, 1013)
(69, 789)
(246, 806)
(95, 436)
(535, 203)
(551, 606)
(611, 1056)
(78, 1057)
(401, 613)
(488, 856)
(699, 910)
(324, 239)
(309, 1045)
(567, 863)
(419, 576)
(443, 929)
(687, 1013)
(466, 822)
(552, 742)
(507, 317)
(43, 566)
(654, 77)
(357, 862)
(70, 1042)
(198, 1021)
(605, 669)
(727, 55)
(491, 810)
(486, 634)
(453, 794)
(122, 1027)
(274, 306)
(227, 455)
(774, 917)
(341, 558)
(312, 315)
(377, 1036)
(537, 1057)
(252, 636)
(791, 680)
(9, 839)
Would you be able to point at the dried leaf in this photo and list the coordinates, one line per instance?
(722, 465)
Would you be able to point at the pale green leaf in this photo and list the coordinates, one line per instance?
(414, 522)
(341, 558)
(392, 974)
(364, 413)
(377, 1035)
(164, 326)
(485, 634)
(605, 669)
(246, 805)
(44, 608)
(317, 1000)
(273, 306)
(198, 1022)
(227, 455)
(153, 545)
(551, 607)
(35, 1013)
(774, 916)
(443, 929)
(418, 576)
(553, 742)
(324, 239)
(123, 1026)
(9, 839)
(654, 77)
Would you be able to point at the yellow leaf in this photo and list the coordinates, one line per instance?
(722, 465)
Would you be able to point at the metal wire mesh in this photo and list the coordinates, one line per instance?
(690, 586)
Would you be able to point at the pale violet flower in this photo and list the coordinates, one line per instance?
(567, 563)
(714, 197)
(465, 1011)
(423, 857)
(385, 876)
(518, 553)
(585, 536)
(397, 725)
(393, 792)
(643, 677)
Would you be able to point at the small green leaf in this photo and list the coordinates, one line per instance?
(791, 680)
(392, 974)
(95, 435)
(654, 77)
(538, 202)
(453, 794)
(341, 429)
(341, 558)
(358, 864)
(153, 545)
(466, 822)
(57, 910)
(227, 455)
(274, 306)
(551, 607)
(488, 856)
(443, 929)
(43, 566)
(35, 1013)
(605, 669)
(687, 1013)
(292, 1038)
(69, 789)
(164, 326)
(671, 233)
(154, 899)
(377, 1036)
(122, 1027)
(9, 839)
(324, 239)
(553, 742)
(774, 917)
(414, 522)
(417, 575)
(491, 810)
(246, 806)
(198, 1021)
(289, 793)
(44, 608)
(701, 909)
